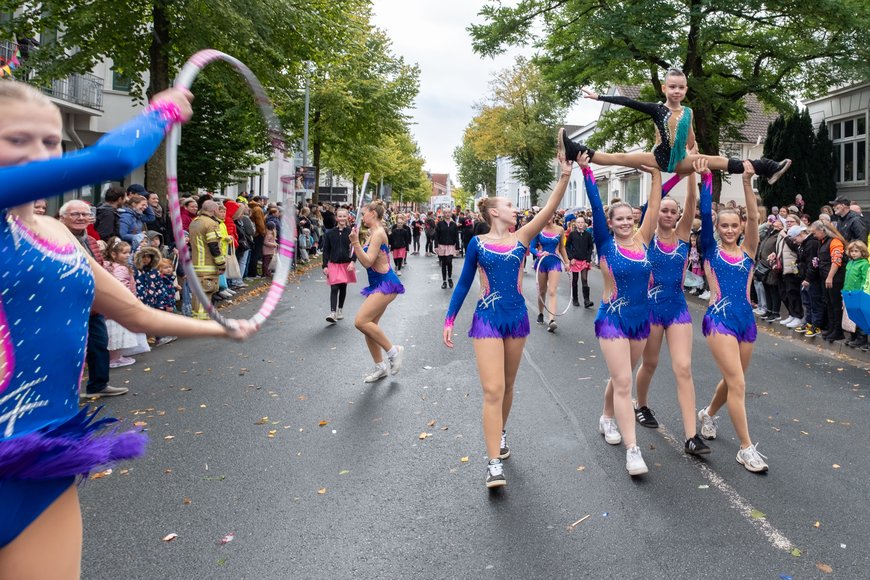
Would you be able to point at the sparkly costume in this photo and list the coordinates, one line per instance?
(46, 292)
(386, 283)
(549, 243)
(671, 148)
(625, 313)
(501, 309)
(730, 277)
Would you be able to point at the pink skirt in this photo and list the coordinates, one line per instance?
(400, 253)
(339, 274)
(445, 250)
(580, 265)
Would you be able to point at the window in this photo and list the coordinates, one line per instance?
(603, 191)
(120, 82)
(632, 192)
(850, 149)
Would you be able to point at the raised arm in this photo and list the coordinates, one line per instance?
(647, 108)
(684, 226)
(750, 234)
(600, 232)
(461, 290)
(708, 242)
(534, 227)
(650, 220)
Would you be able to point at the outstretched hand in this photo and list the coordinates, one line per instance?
(583, 160)
(448, 336)
(241, 329)
(589, 94)
(566, 164)
(748, 170)
(180, 97)
(700, 166)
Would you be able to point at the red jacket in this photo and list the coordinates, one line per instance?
(232, 208)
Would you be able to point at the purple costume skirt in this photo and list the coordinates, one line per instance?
(744, 330)
(665, 314)
(500, 322)
(631, 322)
(549, 264)
(379, 283)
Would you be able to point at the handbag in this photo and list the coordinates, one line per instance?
(233, 271)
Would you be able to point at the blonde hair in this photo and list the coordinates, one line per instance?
(483, 207)
(22, 92)
(860, 246)
(617, 203)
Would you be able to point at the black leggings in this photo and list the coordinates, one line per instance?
(337, 294)
(774, 300)
(416, 244)
(430, 245)
(834, 307)
(446, 267)
(584, 277)
(399, 262)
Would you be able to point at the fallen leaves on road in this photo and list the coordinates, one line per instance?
(321, 491)
(139, 423)
(169, 438)
(423, 435)
(817, 525)
(343, 472)
(261, 421)
(170, 537)
(824, 568)
(431, 423)
(836, 466)
(186, 501)
(101, 474)
(796, 552)
(323, 424)
(757, 514)
(226, 539)
(272, 433)
(463, 459)
(581, 468)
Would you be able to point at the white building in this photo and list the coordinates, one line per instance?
(506, 185)
(845, 112)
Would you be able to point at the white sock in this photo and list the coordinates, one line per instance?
(382, 365)
(393, 352)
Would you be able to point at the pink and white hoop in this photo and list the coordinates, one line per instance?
(287, 237)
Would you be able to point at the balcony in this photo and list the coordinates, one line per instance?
(85, 90)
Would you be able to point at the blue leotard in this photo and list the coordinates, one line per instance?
(549, 243)
(730, 277)
(501, 310)
(625, 313)
(667, 301)
(382, 283)
(46, 292)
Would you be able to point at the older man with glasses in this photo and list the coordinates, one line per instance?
(76, 216)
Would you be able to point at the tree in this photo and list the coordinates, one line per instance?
(728, 50)
(823, 183)
(463, 198)
(474, 173)
(519, 121)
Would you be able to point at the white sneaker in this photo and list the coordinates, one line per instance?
(225, 294)
(376, 375)
(339, 315)
(705, 295)
(607, 427)
(795, 323)
(786, 321)
(708, 424)
(760, 311)
(396, 361)
(751, 459)
(165, 340)
(634, 462)
(331, 318)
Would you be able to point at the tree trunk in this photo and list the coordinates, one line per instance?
(155, 168)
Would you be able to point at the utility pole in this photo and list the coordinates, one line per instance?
(305, 130)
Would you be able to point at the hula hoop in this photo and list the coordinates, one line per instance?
(541, 299)
(287, 238)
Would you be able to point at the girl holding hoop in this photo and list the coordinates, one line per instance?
(383, 288)
(729, 324)
(674, 135)
(669, 313)
(50, 284)
(548, 265)
(500, 323)
(622, 324)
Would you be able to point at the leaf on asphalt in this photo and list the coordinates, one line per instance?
(757, 514)
(198, 432)
(829, 421)
(836, 466)
(804, 433)
(302, 397)
(824, 568)
(817, 525)
(431, 423)
(101, 474)
(186, 501)
(464, 459)
(202, 406)
(167, 470)
(427, 368)
(139, 423)
(170, 537)
(321, 491)
(147, 370)
(272, 433)
(703, 487)
(185, 389)
(124, 471)
(215, 477)
(581, 468)
(323, 424)
(445, 428)
(226, 539)
(261, 421)
(169, 437)
(343, 472)
(796, 552)
(422, 435)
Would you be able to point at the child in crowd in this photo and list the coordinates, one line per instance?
(304, 245)
(696, 266)
(270, 245)
(856, 277)
(167, 286)
(121, 341)
(149, 284)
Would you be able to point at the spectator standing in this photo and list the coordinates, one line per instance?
(134, 215)
(856, 276)
(189, 209)
(208, 260)
(811, 285)
(108, 222)
(429, 229)
(246, 231)
(831, 271)
(259, 220)
(338, 264)
(446, 242)
(579, 248)
(790, 282)
(121, 341)
(849, 223)
(399, 240)
(417, 227)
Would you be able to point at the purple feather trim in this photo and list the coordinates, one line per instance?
(666, 319)
(748, 334)
(74, 448)
(607, 330)
(550, 265)
(514, 329)
(385, 287)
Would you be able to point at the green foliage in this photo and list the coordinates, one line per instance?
(519, 121)
(474, 173)
(462, 198)
(812, 172)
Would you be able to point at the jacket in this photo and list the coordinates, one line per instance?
(108, 222)
(400, 237)
(446, 233)
(205, 246)
(258, 218)
(579, 246)
(133, 224)
(808, 259)
(852, 227)
(336, 246)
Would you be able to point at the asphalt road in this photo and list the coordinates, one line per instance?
(237, 447)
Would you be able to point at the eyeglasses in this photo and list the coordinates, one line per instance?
(78, 214)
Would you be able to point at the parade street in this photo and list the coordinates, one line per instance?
(271, 459)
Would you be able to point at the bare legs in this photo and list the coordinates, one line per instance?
(58, 532)
(680, 347)
(621, 356)
(497, 363)
(548, 283)
(733, 359)
(366, 321)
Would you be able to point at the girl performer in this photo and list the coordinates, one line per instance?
(339, 268)
(400, 239)
(500, 323)
(550, 241)
(669, 314)
(579, 249)
(49, 285)
(383, 288)
(674, 134)
(446, 242)
(729, 324)
(622, 323)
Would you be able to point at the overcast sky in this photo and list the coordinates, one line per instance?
(433, 35)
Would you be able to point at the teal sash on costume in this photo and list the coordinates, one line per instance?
(678, 149)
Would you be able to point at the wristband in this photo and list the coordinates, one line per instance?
(167, 110)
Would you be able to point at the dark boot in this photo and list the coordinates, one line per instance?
(570, 149)
(586, 302)
(770, 169)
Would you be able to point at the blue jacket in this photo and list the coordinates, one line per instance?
(133, 224)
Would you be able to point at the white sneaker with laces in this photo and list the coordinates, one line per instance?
(751, 459)
(396, 361)
(607, 427)
(760, 311)
(708, 424)
(786, 321)
(705, 295)
(634, 462)
(331, 318)
(795, 323)
(339, 315)
(376, 375)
